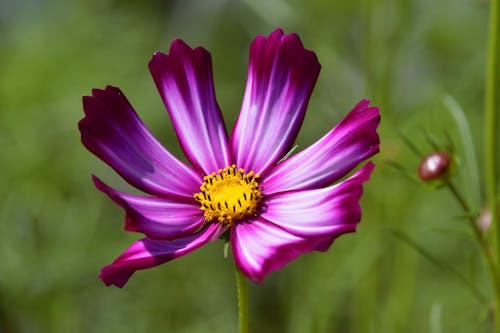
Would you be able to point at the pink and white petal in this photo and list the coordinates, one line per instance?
(160, 218)
(260, 247)
(147, 253)
(352, 141)
(184, 80)
(113, 132)
(281, 77)
(326, 212)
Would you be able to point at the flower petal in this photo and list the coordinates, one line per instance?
(184, 80)
(281, 77)
(113, 132)
(353, 140)
(147, 253)
(260, 247)
(326, 212)
(160, 218)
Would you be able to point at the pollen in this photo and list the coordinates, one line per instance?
(230, 195)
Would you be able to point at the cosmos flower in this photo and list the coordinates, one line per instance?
(271, 208)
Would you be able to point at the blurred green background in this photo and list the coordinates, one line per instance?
(57, 230)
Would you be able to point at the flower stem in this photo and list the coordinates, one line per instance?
(491, 109)
(242, 288)
(483, 242)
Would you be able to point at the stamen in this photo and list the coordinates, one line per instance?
(229, 196)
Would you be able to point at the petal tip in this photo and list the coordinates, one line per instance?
(110, 276)
(179, 45)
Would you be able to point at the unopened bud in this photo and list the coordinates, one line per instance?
(484, 220)
(434, 166)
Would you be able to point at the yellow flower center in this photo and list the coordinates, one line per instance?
(230, 195)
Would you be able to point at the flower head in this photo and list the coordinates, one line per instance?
(273, 209)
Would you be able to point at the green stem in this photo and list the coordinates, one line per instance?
(241, 285)
(483, 242)
(491, 109)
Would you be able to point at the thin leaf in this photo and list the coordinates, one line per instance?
(410, 145)
(398, 167)
(472, 178)
(441, 264)
(287, 155)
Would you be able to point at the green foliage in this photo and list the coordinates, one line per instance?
(57, 231)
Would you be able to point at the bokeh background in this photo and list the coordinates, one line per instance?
(410, 57)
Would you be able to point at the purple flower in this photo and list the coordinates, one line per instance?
(272, 209)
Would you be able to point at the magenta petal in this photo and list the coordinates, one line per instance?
(184, 80)
(260, 247)
(147, 253)
(160, 218)
(353, 140)
(113, 132)
(326, 212)
(281, 77)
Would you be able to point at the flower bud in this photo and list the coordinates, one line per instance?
(484, 220)
(434, 166)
